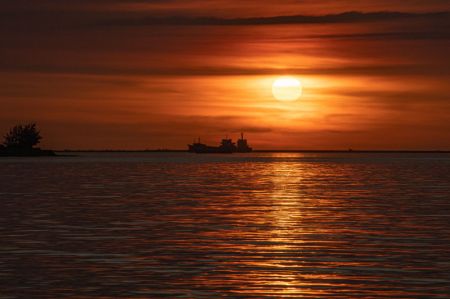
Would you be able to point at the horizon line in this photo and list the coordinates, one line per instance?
(265, 150)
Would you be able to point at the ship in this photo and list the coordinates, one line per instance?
(227, 146)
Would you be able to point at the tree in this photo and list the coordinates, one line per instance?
(23, 136)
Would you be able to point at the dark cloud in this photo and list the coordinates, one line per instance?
(366, 70)
(423, 35)
(346, 17)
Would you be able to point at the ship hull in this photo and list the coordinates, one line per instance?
(212, 150)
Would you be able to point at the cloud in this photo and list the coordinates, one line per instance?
(401, 35)
(367, 70)
(345, 17)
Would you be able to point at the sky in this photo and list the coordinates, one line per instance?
(147, 74)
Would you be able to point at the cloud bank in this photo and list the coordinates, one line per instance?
(345, 17)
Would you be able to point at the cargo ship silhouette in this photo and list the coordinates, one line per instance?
(227, 146)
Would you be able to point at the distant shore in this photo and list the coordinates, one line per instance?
(35, 152)
(263, 151)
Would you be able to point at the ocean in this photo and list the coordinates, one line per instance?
(260, 225)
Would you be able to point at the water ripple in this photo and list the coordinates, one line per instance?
(226, 226)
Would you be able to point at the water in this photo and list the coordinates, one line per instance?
(179, 225)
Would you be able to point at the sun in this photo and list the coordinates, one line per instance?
(287, 89)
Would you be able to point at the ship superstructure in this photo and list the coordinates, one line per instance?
(242, 145)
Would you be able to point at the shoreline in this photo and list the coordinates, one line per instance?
(5, 152)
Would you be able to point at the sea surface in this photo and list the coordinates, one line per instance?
(261, 225)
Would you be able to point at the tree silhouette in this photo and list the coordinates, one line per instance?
(23, 136)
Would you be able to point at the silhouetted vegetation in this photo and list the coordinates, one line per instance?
(21, 141)
(23, 136)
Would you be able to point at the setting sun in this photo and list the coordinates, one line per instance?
(287, 89)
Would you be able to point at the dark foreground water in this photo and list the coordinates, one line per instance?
(227, 226)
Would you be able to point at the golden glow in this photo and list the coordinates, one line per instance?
(287, 89)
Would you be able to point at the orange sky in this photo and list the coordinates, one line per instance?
(108, 74)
